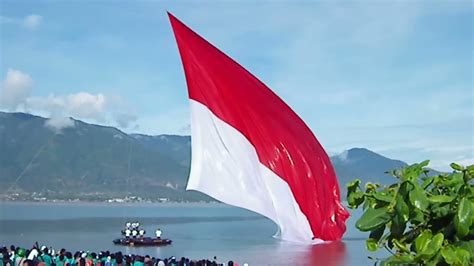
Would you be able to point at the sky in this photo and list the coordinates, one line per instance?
(395, 77)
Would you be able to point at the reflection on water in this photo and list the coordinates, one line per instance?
(330, 254)
(333, 254)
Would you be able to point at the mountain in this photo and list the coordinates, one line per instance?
(364, 164)
(93, 162)
(89, 161)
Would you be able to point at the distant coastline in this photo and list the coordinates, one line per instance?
(102, 203)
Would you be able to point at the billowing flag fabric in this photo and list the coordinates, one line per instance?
(249, 149)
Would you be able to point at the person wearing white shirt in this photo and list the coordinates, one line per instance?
(158, 233)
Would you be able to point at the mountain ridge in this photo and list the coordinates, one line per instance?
(97, 162)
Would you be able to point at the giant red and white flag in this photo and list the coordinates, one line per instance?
(249, 149)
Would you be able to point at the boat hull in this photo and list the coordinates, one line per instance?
(140, 242)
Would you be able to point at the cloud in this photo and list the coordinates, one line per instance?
(124, 120)
(58, 123)
(32, 22)
(82, 105)
(86, 105)
(343, 156)
(96, 108)
(16, 88)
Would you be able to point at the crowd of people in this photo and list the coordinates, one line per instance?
(18, 256)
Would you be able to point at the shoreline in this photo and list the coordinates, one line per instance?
(101, 203)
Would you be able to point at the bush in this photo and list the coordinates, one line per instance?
(421, 219)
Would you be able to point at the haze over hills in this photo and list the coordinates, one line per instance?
(77, 160)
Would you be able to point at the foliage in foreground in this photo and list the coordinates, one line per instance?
(420, 219)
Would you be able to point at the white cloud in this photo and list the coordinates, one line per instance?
(125, 119)
(86, 105)
(32, 22)
(343, 156)
(95, 108)
(82, 105)
(58, 123)
(16, 88)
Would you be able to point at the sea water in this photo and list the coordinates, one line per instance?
(198, 231)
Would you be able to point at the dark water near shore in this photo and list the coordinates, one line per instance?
(197, 230)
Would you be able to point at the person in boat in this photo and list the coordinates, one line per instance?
(141, 233)
(128, 232)
(134, 233)
(158, 233)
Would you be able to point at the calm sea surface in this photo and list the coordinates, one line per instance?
(197, 230)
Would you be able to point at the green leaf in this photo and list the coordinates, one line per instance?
(352, 186)
(418, 198)
(410, 173)
(355, 199)
(422, 240)
(383, 197)
(449, 255)
(427, 182)
(397, 227)
(372, 219)
(402, 208)
(463, 218)
(407, 258)
(456, 167)
(433, 246)
(467, 245)
(454, 180)
(470, 169)
(416, 217)
(440, 199)
(371, 244)
(405, 188)
(463, 256)
(370, 187)
(424, 163)
(440, 210)
(400, 245)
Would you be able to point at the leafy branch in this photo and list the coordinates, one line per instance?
(421, 219)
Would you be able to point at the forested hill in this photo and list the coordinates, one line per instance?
(93, 162)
